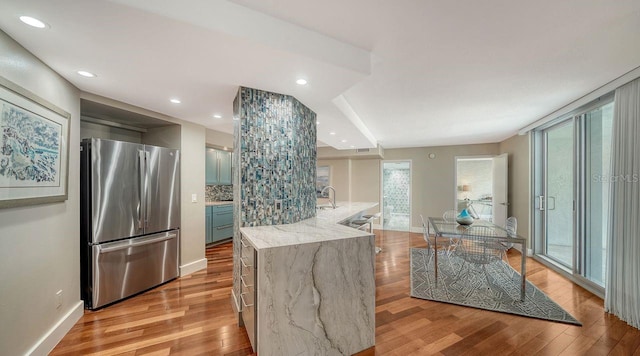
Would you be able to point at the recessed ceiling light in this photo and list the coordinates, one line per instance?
(217, 116)
(175, 101)
(352, 146)
(332, 133)
(84, 73)
(33, 21)
(301, 81)
(343, 141)
(317, 122)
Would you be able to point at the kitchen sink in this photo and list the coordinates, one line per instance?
(323, 207)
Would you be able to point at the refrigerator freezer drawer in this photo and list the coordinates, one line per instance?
(123, 268)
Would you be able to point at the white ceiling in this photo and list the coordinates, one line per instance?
(399, 73)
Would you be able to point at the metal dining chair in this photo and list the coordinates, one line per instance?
(477, 248)
(445, 247)
(511, 225)
(450, 215)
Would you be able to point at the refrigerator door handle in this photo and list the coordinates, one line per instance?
(125, 245)
(146, 193)
(141, 182)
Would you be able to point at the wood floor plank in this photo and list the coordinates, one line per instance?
(192, 315)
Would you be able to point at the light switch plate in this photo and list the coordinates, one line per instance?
(194, 198)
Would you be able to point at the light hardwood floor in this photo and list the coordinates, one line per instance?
(193, 316)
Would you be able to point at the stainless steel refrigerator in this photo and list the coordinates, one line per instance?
(129, 220)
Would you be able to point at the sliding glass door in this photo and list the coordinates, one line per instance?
(558, 200)
(598, 128)
(572, 192)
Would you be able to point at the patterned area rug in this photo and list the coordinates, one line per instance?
(497, 290)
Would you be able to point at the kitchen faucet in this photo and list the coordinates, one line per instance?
(333, 202)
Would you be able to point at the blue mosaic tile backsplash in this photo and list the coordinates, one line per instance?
(277, 158)
(275, 155)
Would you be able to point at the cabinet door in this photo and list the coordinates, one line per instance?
(224, 169)
(222, 222)
(209, 224)
(211, 166)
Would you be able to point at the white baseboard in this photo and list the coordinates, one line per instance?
(377, 227)
(46, 344)
(194, 266)
(416, 229)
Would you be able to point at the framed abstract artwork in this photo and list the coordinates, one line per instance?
(322, 179)
(34, 148)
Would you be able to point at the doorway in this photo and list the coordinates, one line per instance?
(559, 192)
(396, 195)
(572, 160)
(481, 186)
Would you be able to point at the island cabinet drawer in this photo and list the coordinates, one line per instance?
(248, 287)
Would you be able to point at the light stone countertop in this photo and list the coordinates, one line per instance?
(211, 203)
(325, 226)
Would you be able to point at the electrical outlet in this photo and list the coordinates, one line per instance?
(194, 198)
(278, 204)
(59, 299)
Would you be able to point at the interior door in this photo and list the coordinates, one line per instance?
(500, 177)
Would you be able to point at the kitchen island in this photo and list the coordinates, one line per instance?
(309, 287)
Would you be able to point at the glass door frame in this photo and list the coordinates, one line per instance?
(538, 154)
(545, 193)
(382, 200)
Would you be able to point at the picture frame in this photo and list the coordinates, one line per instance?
(323, 179)
(34, 148)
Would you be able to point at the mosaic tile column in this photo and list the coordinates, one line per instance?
(274, 160)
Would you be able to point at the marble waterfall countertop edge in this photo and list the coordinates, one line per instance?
(218, 202)
(325, 226)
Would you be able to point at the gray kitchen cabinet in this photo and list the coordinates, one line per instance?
(217, 166)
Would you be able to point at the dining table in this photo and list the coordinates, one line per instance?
(450, 229)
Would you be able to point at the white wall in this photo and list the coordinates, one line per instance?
(192, 168)
(365, 181)
(339, 176)
(90, 129)
(519, 181)
(39, 245)
(165, 136)
(219, 139)
(433, 184)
